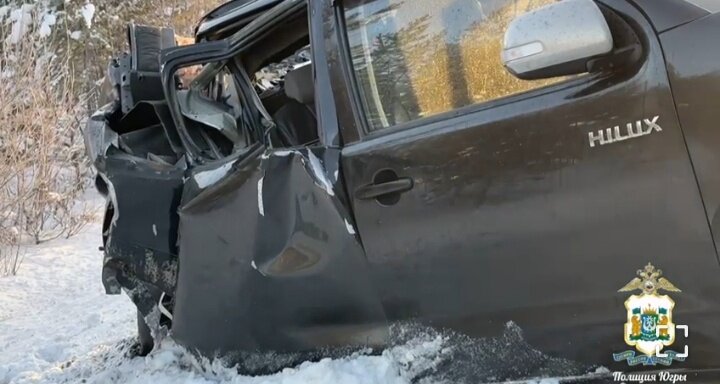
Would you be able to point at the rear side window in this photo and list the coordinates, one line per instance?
(419, 58)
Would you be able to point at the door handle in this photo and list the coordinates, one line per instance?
(374, 191)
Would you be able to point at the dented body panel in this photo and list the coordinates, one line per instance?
(140, 250)
(270, 263)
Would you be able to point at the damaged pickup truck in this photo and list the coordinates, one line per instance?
(338, 166)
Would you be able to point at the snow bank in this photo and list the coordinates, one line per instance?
(172, 364)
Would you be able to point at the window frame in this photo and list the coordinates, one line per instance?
(365, 133)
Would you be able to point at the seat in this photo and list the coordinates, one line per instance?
(137, 76)
(296, 120)
(273, 99)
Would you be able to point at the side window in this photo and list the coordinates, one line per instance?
(418, 58)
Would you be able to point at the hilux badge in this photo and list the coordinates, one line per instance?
(632, 130)
(649, 327)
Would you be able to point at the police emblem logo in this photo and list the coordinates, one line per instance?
(649, 327)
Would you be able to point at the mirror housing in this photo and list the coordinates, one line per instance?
(556, 40)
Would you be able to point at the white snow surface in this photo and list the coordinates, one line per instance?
(55, 310)
(21, 19)
(88, 12)
(58, 326)
(48, 21)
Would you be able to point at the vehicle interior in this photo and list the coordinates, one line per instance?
(281, 62)
(226, 110)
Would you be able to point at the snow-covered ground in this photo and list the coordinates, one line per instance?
(58, 326)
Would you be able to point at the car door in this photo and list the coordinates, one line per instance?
(482, 199)
(263, 233)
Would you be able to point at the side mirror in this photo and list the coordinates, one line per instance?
(556, 40)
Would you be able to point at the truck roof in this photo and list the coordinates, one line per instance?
(230, 16)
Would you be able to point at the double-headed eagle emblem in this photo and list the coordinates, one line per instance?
(649, 327)
(649, 281)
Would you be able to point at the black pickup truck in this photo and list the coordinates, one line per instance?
(333, 168)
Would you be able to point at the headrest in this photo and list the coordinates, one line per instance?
(299, 85)
(145, 45)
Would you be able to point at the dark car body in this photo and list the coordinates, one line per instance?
(496, 212)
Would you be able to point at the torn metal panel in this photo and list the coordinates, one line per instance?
(135, 76)
(141, 175)
(149, 113)
(198, 108)
(268, 263)
(107, 126)
(142, 239)
(97, 134)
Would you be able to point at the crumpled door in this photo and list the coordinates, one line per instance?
(269, 258)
